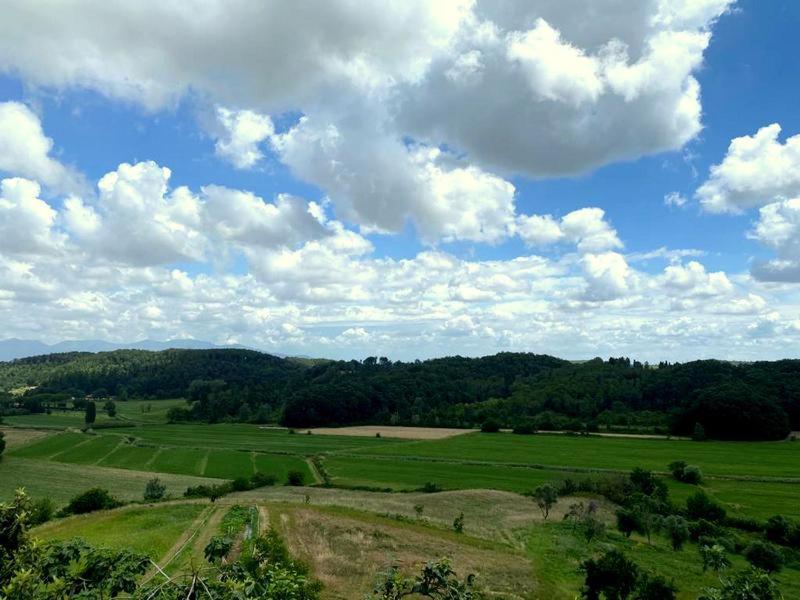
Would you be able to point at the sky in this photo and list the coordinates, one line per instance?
(404, 178)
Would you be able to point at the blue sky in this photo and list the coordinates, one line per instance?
(339, 202)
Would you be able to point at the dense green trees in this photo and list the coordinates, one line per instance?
(524, 392)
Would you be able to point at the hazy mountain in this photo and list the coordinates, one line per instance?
(15, 348)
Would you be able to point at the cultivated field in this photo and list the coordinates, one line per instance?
(124, 452)
(388, 431)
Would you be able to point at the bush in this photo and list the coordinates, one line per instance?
(155, 490)
(41, 511)
(764, 556)
(700, 506)
(295, 478)
(458, 523)
(262, 480)
(701, 529)
(240, 484)
(677, 530)
(546, 496)
(90, 501)
(430, 487)
(628, 521)
(746, 585)
(490, 426)
(525, 428)
(178, 414)
(655, 587)
(613, 575)
(692, 475)
(713, 557)
(218, 547)
(209, 491)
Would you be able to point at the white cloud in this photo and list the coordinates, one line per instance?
(27, 152)
(26, 222)
(693, 280)
(608, 276)
(244, 218)
(756, 170)
(136, 220)
(585, 227)
(241, 133)
(379, 183)
(675, 199)
(778, 228)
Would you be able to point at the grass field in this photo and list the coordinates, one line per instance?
(129, 412)
(62, 481)
(151, 530)
(112, 450)
(253, 437)
(740, 459)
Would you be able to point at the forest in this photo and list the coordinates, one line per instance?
(520, 391)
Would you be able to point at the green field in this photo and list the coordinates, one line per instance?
(62, 481)
(113, 450)
(254, 437)
(151, 530)
(737, 459)
(129, 412)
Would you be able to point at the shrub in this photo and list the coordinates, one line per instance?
(41, 511)
(240, 484)
(430, 487)
(155, 490)
(218, 547)
(295, 478)
(764, 556)
(751, 584)
(490, 426)
(698, 433)
(713, 557)
(525, 428)
(178, 414)
(655, 587)
(90, 501)
(692, 475)
(628, 521)
(700, 506)
(613, 575)
(677, 530)
(546, 496)
(262, 480)
(702, 529)
(458, 523)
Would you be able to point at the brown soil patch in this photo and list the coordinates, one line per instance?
(388, 431)
(16, 437)
(347, 552)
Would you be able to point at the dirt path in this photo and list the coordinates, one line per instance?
(314, 472)
(191, 532)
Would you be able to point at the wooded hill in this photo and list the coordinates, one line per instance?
(758, 400)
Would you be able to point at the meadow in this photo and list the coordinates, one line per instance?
(348, 533)
(119, 451)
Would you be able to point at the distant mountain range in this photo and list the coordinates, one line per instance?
(15, 348)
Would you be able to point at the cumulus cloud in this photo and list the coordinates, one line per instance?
(137, 220)
(778, 228)
(585, 227)
(26, 221)
(244, 218)
(380, 183)
(675, 199)
(693, 280)
(608, 276)
(756, 170)
(241, 132)
(26, 151)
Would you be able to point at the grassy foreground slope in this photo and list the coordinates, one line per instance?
(347, 537)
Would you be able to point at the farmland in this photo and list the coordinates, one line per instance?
(346, 531)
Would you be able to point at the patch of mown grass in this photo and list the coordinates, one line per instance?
(229, 464)
(736, 459)
(90, 452)
(151, 530)
(129, 456)
(50, 446)
(62, 481)
(186, 461)
(240, 436)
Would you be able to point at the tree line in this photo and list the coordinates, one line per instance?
(718, 399)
